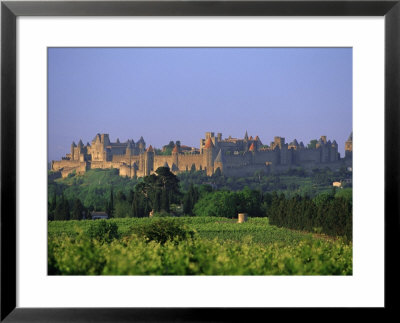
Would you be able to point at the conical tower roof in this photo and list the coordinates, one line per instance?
(150, 149)
(246, 136)
(129, 145)
(252, 147)
(209, 144)
(218, 159)
(350, 137)
(175, 150)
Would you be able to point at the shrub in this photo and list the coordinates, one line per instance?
(161, 214)
(220, 203)
(103, 231)
(163, 230)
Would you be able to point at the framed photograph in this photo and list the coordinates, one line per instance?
(120, 202)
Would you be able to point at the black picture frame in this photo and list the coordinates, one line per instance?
(10, 10)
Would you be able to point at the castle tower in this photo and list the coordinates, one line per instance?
(129, 149)
(286, 155)
(73, 145)
(105, 139)
(258, 142)
(252, 151)
(334, 151)
(208, 156)
(278, 142)
(141, 145)
(175, 157)
(219, 162)
(134, 169)
(246, 136)
(149, 161)
(80, 151)
(319, 143)
(348, 147)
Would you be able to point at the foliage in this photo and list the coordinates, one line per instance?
(161, 214)
(103, 231)
(77, 210)
(92, 188)
(61, 211)
(159, 190)
(312, 144)
(190, 199)
(206, 227)
(163, 230)
(325, 213)
(218, 203)
(229, 204)
(134, 255)
(346, 193)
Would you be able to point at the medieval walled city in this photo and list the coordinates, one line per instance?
(230, 156)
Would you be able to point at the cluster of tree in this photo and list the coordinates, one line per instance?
(312, 144)
(155, 193)
(62, 209)
(327, 177)
(327, 213)
(167, 149)
(92, 188)
(229, 204)
(198, 194)
(260, 181)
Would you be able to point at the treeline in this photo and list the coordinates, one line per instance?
(60, 208)
(268, 182)
(160, 193)
(326, 213)
(92, 188)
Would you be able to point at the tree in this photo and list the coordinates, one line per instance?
(218, 203)
(159, 190)
(190, 199)
(249, 201)
(52, 207)
(165, 201)
(62, 209)
(110, 204)
(77, 209)
(312, 144)
(168, 182)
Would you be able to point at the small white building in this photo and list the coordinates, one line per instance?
(337, 184)
(99, 215)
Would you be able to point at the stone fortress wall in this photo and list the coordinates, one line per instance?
(232, 156)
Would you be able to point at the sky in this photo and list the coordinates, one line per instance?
(166, 94)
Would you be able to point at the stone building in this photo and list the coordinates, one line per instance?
(348, 147)
(232, 156)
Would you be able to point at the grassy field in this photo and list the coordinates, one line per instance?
(216, 246)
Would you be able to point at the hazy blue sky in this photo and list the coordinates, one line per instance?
(168, 94)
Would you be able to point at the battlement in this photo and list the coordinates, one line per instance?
(232, 156)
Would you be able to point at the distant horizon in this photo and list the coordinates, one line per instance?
(166, 94)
